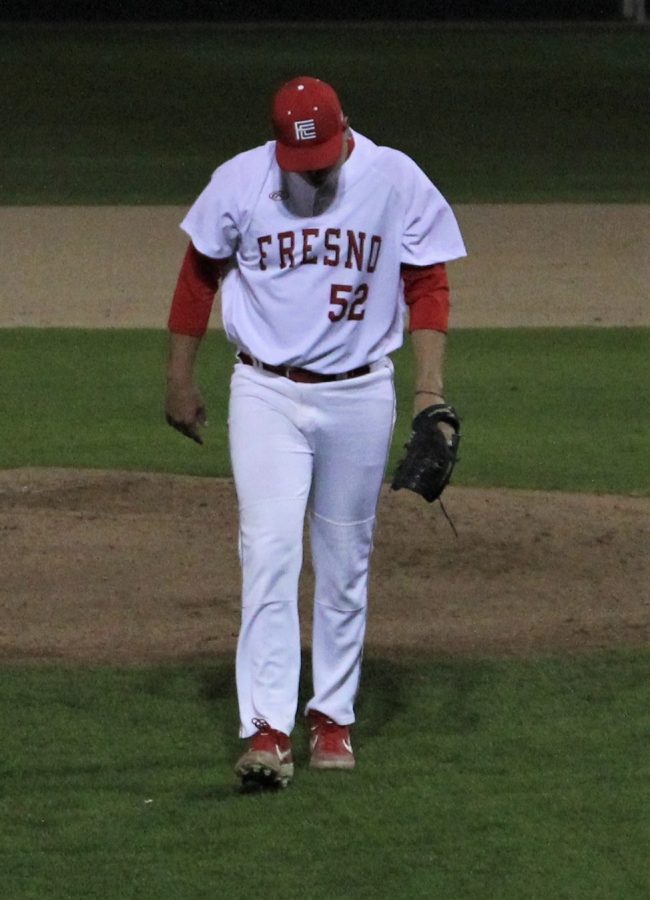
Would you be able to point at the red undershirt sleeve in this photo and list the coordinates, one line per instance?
(197, 284)
(426, 291)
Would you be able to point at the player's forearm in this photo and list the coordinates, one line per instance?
(183, 350)
(429, 353)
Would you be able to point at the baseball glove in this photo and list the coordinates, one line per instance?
(430, 458)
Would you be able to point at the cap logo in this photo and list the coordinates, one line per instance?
(305, 130)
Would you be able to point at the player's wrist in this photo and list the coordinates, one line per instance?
(423, 399)
(180, 376)
(437, 394)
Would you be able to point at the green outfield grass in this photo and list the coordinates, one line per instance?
(144, 114)
(554, 409)
(476, 779)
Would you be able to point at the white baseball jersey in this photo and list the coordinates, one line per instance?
(316, 275)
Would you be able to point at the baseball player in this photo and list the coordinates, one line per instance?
(322, 242)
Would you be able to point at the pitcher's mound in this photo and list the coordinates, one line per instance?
(114, 567)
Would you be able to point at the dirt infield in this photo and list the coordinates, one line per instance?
(101, 267)
(102, 567)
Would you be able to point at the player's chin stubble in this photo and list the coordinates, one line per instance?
(318, 177)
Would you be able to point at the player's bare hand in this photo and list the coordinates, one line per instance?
(185, 409)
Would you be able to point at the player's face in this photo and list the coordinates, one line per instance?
(317, 177)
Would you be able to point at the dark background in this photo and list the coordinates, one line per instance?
(292, 10)
(143, 113)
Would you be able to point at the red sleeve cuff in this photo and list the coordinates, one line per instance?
(426, 291)
(197, 284)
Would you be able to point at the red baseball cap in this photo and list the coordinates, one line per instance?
(309, 125)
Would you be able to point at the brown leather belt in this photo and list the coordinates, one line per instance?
(303, 376)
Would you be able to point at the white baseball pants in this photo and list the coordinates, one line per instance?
(298, 448)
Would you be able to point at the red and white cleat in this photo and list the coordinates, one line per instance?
(268, 762)
(329, 743)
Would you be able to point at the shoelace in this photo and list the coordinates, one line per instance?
(262, 726)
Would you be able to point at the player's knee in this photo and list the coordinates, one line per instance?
(272, 551)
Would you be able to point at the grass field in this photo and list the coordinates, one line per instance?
(143, 115)
(476, 780)
(544, 408)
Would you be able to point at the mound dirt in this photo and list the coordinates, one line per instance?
(114, 567)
